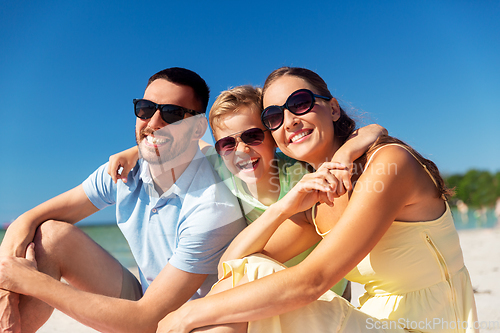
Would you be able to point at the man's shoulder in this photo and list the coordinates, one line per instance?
(101, 173)
(208, 190)
(101, 183)
(134, 174)
(206, 178)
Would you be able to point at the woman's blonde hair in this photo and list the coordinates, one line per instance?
(230, 102)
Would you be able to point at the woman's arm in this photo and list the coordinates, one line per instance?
(291, 238)
(312, 188)
(375, 203)
(297, 230)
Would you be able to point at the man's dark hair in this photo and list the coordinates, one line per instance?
(188, 78)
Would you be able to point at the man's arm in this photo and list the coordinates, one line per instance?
(71, 206)
(167, 292)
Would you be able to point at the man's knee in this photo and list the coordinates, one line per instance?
(52, 235)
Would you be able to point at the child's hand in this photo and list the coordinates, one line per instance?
(120, 164)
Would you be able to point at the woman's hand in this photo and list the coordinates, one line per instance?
(320, 186)
(15, 272)
(343, 176)
(120, 164)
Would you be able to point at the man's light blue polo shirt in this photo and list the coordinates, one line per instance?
(189, 226)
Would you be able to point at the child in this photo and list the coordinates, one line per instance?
(253, 170)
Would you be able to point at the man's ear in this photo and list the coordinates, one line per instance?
(200, 127)
(334, 104)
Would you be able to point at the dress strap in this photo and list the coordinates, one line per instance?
(313, 213)
(408, 150)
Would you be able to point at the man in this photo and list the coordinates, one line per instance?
(175, 213)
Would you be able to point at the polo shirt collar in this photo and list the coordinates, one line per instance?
(182, 184)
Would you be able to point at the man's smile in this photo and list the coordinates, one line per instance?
(154, 141)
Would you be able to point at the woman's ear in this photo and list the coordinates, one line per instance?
(334, 104)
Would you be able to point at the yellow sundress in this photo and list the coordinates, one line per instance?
(415, 281)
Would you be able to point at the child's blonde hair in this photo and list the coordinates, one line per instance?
(230, 101)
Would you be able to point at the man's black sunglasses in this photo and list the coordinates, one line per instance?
(170, 113)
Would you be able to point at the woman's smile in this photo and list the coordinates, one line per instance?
(300, 136)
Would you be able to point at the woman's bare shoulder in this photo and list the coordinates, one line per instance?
(392, 160)
(397, 165)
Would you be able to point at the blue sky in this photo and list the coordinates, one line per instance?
(429, 71)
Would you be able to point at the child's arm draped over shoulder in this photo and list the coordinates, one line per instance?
(355, 146)
(125, 159)
(121, 163)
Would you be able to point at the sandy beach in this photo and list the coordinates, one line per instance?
(481, 249)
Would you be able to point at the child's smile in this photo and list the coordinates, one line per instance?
(248, 165)
(251, 163)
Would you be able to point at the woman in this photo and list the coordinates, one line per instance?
(394, 233)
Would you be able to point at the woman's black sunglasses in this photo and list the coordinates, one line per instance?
(299, 102)
(251, 137)
(170, 113)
